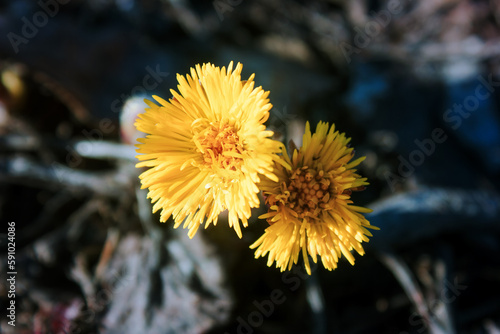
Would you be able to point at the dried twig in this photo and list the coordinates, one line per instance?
(82, 276)
(425, 213)
(107, 252)
(410, 286)
(105, 150)
(24, 170)
(95, 149)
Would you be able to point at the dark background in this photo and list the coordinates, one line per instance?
(414, 83)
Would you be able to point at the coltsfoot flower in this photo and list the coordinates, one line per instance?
(207, 148)
(310, 209)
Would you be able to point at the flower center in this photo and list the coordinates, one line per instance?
(220, 146)
(310, 192)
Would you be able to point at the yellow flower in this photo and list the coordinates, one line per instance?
(207, 148)
(310, 208)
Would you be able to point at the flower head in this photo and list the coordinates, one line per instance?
(310, 208)
(207, 148)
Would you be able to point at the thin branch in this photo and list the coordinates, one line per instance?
(105, 150)
(95, 149)
(23, 170)
(412, 290)
(428, 212)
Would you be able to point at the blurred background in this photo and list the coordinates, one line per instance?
(415, 83)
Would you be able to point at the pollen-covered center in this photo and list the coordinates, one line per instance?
(310, 192)
(220, 145)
